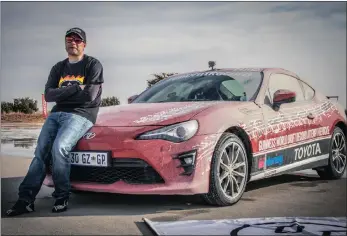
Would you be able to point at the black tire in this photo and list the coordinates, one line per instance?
(215, 196)
(329, 172)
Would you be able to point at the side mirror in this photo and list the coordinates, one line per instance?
(132, 98)
(283, 96)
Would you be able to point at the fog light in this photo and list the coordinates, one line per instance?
(187, 161)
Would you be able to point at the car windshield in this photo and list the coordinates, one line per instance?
(208, 86)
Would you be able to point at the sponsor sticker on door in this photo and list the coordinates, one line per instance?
(274, 161)
(293, 138)
(307, 151)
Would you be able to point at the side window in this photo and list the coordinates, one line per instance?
(281, 81)
(268, 98)
(308, 91)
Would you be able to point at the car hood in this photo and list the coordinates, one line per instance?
(146, 114)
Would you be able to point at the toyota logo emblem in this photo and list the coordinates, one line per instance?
(89, 135)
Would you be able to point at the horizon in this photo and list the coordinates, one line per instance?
(134, 40)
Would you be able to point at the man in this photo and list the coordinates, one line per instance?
(74, 84)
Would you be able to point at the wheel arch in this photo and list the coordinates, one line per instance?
(328, 171)
(342, 126)
(241, 133)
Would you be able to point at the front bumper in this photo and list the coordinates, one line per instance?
(147, 167)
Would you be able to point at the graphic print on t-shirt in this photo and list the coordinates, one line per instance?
(69, 80)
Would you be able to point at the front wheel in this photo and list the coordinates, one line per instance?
(337, 157)
(229, 171)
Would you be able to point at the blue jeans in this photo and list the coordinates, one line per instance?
(59, 135)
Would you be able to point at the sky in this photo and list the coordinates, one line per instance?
(134, 40)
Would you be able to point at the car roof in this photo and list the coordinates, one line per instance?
(246, 69)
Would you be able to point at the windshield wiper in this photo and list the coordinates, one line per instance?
(164, 101)
(193, 100)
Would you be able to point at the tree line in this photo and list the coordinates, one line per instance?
(23, 105)
(161, 76)
(28, 106)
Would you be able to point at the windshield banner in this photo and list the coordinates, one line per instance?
(253, 226)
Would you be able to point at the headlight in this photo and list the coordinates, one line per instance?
(175, 133)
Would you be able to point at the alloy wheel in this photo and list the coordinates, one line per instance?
(339, 153)
(232, 170)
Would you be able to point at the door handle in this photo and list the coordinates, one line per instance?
(310, 116)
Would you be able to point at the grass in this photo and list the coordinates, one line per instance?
(16, 117)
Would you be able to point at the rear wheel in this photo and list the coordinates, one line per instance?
(229, 171)
(337, 157)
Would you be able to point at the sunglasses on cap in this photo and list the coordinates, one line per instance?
(73, 39)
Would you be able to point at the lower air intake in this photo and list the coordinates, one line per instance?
(129, 170)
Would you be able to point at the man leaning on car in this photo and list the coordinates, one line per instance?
(74, 84)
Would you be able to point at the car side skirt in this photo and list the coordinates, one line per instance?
(303, 156)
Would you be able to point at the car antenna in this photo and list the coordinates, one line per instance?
(211, 64)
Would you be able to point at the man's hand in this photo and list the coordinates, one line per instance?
(82, 86)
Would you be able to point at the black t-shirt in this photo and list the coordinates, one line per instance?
(63, 88)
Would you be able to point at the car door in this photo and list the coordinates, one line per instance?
(319, 111)
(320, 115)
(287, 126)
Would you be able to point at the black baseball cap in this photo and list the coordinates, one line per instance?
(77, 31)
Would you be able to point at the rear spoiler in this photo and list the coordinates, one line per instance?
(329, 97)
(337, 98)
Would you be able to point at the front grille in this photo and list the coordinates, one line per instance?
(130, 170)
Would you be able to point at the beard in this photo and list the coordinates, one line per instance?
(73, 51)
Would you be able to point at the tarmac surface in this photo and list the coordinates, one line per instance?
(99, 213)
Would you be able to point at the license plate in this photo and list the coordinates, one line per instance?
(89, 158)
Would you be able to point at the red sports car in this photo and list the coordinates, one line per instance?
(210, 133)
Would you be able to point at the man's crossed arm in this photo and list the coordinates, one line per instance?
(75, 94)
